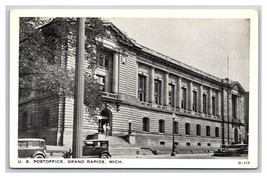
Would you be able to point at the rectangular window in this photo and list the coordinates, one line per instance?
(146, 124)
(104, 58)
(183, 100)
(198, 130)
(142, 87)
(187, 129)
(195, 101)
(208, 131)
(171, 95)
(158, 92)
(198, 144)
(213, 105)
(161, 126)
(217, 133)
(101, 81)
(204, 103)
(188, 144)
(175, 127)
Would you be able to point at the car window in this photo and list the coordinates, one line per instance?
(32, 144)
(42, 143)
(104, 144)
(89, 145)
(97, 144)
(22, 144)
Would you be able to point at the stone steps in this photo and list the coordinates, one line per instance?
(118, 146)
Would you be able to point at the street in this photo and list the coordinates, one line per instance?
(164, 156)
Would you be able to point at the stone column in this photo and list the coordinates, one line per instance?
(190, 94)
(237, 107)
(137, 80)
(210, 101)
(186, 99)
(179, 93)
(175, 96)
(201, 99)
(166, 90)
(219, 104)
(152, 85)
(115, 85)
(229, 102)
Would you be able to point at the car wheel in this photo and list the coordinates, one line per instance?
(104, 156)
(38, 157)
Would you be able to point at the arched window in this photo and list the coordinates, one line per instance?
(208, 131)
(187, 129)
(175, 127)
(198, 130)
(146, 124)
(161, 126)
(46, 117)
(217, 134)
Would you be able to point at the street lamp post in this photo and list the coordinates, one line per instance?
(130, 127)
(173, 151)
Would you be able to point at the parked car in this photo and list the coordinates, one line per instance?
(232, 150)
(31, 148)
(96, 148)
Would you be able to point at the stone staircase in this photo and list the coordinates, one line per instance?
(118, 146)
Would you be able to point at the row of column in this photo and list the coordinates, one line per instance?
(178, 94)
(115, 82)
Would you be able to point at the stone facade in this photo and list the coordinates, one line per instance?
(144, 90)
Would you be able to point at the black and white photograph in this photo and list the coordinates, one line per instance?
(132, 88)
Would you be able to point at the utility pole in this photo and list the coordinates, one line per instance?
(173, 130)
(228, 102)
(78, 90)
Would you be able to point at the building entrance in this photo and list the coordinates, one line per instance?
(105, 123)
(236, 135)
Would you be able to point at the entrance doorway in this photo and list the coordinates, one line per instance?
(236, 135)
(106, 122)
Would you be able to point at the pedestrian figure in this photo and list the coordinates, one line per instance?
(107, 129)
(104, 129)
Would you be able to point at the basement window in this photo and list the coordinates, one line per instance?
(162, 143)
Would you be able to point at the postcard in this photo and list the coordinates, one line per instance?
(133, 88)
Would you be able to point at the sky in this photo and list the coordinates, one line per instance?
(202, 43)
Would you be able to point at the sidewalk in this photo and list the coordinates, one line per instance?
(166, 156)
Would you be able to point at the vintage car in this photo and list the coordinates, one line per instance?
(31, 148)
(232, 150)
(96, 148)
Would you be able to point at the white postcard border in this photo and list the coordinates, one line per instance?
(139, 13)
